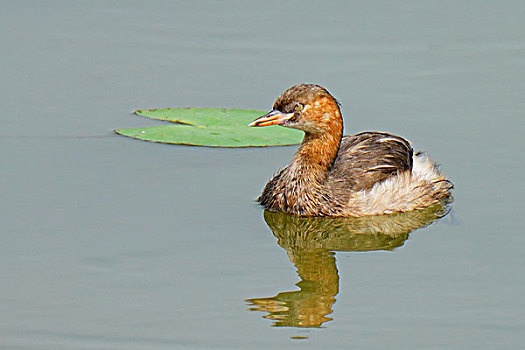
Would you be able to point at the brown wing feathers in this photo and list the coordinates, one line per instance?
(370, 157)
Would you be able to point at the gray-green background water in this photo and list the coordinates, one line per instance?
(112, 243)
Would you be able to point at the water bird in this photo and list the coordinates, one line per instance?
(369, 173)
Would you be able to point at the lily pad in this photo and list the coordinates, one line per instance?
(211, 127)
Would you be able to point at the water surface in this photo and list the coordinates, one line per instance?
(113, 243)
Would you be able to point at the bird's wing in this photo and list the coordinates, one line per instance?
(369, 157)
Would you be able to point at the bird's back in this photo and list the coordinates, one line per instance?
(367, 158)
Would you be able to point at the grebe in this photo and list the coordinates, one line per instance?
(370, 173)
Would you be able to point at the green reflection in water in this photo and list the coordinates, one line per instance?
(310, 244)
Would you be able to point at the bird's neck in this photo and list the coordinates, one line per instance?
(300, 187)
(316, 154)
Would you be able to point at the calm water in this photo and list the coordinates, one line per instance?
(112, 243)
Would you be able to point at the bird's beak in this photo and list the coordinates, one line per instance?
(274, 117)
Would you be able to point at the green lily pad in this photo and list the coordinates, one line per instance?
(211, 127)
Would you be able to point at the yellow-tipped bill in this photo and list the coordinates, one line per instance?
(274, 117)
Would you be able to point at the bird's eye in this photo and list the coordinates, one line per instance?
(298, 107)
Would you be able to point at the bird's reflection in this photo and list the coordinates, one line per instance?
(310, 244)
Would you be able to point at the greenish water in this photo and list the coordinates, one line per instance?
(112, 243)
